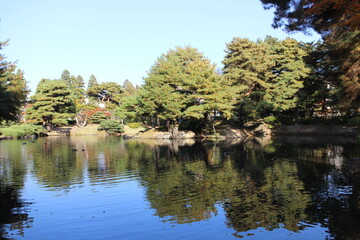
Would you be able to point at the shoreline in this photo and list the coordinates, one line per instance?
(223, 132)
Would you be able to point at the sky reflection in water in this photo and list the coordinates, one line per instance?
(110, 188)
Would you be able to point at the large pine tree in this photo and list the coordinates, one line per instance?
(338, 21)
(247, 66)
(183, 84)
(52, 104)
(288, 73)
(266, 75)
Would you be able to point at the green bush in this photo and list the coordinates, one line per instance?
(111, 126)
(270, 120)
(98, 117)
(21, 130)
(354, 121)
(135, 124)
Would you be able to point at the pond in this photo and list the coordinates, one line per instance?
(111, 188)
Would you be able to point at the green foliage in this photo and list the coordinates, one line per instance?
(266, 75)
(21, 130)
(129, 88)
(108, 93)
(52, 104)
(183, 84)
(98, 117)
(272, 120)
(76, 85)
(354, 121)
(322, 90)
(135, 124)
(288, 73)
(13, 89)
(129, 108)
(92, 81)
(111, 126)
(338, 22)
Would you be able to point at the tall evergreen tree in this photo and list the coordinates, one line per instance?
(247, 66)
(338, 23)
(65, 76)
(13, 89)
(79, 87)
(288, 73)
(267, 75)
(183, 84)
(52, 104)
(92, 81)
(129, 88)
(322, 91)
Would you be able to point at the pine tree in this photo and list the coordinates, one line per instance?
(65, 76)
(247, 67)
(78, 88)
(13, 89)
(52, 104)
(92, 81)
(183, 84)
(267, 75)
(322, 90)
(288, 73)
(338, 23)
(108, 93)
(129, 88)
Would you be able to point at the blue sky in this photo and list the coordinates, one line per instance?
(117, 40)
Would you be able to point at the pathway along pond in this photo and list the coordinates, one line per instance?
(110, 188)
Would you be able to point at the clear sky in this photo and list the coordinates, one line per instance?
(117, 40)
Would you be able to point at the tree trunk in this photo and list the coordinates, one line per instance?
(157, 121)
(175, 131)
(168, 125)
(47, 126)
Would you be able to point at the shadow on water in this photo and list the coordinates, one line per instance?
(13, 215)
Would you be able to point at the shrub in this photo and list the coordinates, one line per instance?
(21, 130)
(98, 117)
(111, 126)
(135, 124)
(354, 121)
(270, 120)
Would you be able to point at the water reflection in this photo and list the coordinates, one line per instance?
(284, 183)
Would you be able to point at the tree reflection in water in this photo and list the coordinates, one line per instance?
(278, 185)
(13, 215)
(287, 183)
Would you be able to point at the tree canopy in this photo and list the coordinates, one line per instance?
(183, 84)
(52, 104)
(338, 22)
(266, 75)
(13, 89)
(324, 16)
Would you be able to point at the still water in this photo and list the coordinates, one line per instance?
(110, 188)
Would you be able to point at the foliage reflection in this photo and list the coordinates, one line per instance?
(283, 183)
